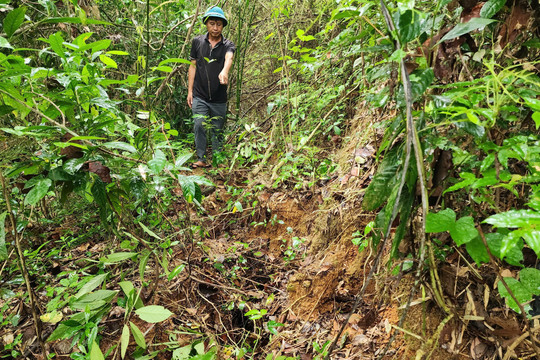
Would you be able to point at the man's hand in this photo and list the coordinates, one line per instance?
(223, 78)
(190, 99)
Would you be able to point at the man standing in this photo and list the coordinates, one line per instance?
(211, 59)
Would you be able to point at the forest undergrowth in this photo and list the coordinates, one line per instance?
(377, 196)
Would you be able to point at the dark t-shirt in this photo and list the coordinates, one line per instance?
(209, 64)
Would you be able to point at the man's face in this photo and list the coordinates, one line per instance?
(215, 27)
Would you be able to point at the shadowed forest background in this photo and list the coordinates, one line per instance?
(378, 196)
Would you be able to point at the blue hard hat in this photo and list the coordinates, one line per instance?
(215, 12)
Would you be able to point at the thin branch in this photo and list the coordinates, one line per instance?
(186, 41)
(24, 270)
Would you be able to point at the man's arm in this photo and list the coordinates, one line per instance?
(224, 74)
(191, 80)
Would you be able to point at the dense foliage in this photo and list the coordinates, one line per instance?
(95, 127)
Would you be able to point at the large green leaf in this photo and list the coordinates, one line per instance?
(409, 25)
(530, 278)
(465, 28)
(4, 43)
(157, 164)
(382, 183)
(463, 230)
(124, 341)
(56, 41)
(95, 352)
(3, 248)
(175, 60)
(182, 353)
(117, 257)
(14, 20)
(37, 193)
(491, 7)
(521, 293)
(514, 219)
(131, 293)
(477, 250)
(108, 61)
(514, 256)
(137, 335)
(93, 300)
(91, 284)
(532, 238)
(181, 160)
(119, 145)
(153, 313)
(509, 242)
(443, 220)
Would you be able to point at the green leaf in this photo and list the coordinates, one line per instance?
(63, 331)
(93, 300)
(124, 341)
(97, 45)
(513, 257)
(56, 41)
(345, 13)
(174, 60)
(149, 232)
(181, 160)
(532, 238)
(182, 353)
(177, 270)
(477, 250)
(444, 220)
(382, 183)
(463, 230)
(91, 285)
(208, 356)
(143, 262)
(166, 69)
(491, 7)
(514, 219)
(530, 278)
(4, 43)
(521, 293)
(95, 352)
(300, 33)
(73, 20)
(14, 20)
(509, 242)
(465, 28)
(99, 192)
(409, 26)
(138, 335)
(157, 164)
(536, 118)
(73, 165)
(117, 52)
(153, 313)
(128, 289)
(38, 192)
(108, 61)
(3, 248)
(533, 103)
(119, 145)
(117, 257)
